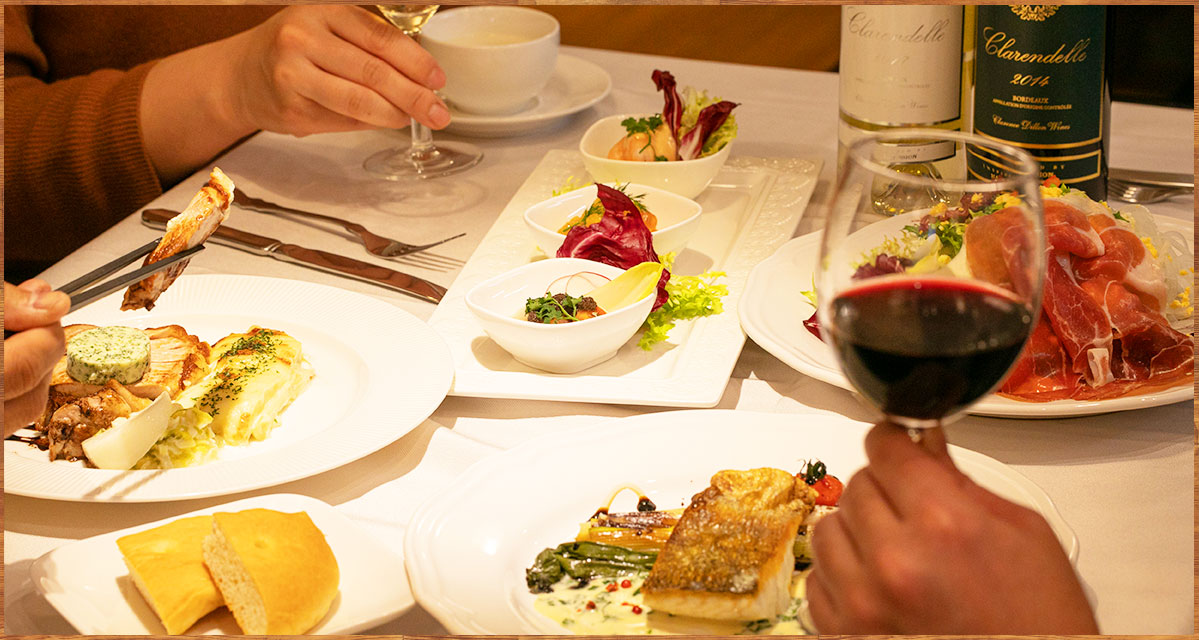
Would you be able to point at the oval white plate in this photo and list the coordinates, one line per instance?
(576, 84)
(380, 371)
(89, 584)
(772, 314)
(467, 550)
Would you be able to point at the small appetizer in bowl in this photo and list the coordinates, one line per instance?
(671, 218)
(680, 149)
(564, 315)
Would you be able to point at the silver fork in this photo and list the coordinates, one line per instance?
(1144, 193)
(1145, 187)
(375, 244)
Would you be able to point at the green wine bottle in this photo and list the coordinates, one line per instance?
(1041, 84)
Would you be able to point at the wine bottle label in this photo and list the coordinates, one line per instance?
(1039, 85)
(901, 65)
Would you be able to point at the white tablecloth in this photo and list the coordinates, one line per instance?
(1124, 482)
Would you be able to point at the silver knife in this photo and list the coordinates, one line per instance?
(315, 258)
(1152, 178)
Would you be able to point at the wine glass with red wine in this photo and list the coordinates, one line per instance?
(929, 281)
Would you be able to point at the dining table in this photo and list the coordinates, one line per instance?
(1123, 481)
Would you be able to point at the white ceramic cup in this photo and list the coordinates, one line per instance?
(496, 59)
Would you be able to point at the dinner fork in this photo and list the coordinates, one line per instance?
(375, 244)
(1144, 187)
(1144, 193)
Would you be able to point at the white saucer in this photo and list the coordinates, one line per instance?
(575, 85)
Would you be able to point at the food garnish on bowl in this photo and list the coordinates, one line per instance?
(564, 342)
(622, 240)
(733, 561)
(679, 149)
(690, 126)
(1115, 318)
(670, 218)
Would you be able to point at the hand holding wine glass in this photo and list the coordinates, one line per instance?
(929, 285)
(422, 158)
(928, 308)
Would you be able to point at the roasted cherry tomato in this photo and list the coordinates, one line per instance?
(828, 490)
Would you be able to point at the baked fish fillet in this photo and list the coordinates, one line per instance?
(207, 210)
(730, 555)
(177, 359)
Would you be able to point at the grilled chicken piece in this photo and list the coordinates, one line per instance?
(730, 555)
(82, 418)
(207, 210)
(177, 359)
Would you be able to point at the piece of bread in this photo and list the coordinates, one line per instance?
(730, 555)
(167, 565)
(275, 570)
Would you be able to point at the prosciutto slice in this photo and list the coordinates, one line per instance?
(1102, 333)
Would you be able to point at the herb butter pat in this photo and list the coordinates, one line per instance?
(98, 355)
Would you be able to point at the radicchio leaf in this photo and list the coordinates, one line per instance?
(710, 118)
(672, 113)
(620, 238)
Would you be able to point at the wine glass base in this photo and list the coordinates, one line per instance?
(442, 159)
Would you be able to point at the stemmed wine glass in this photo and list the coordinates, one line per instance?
(422, 158)
(929, 282)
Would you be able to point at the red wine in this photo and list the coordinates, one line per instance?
(924, 348)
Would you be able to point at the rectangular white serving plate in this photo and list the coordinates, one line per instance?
(750, 209)
(88, 583)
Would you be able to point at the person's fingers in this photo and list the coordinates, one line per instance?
(22, 410)
(33, 305)
(918, 473)
(29, 356)
(407, 98)
(34, 285)
(821, 606)
(376, 36)
(846, 576)
(866, 511)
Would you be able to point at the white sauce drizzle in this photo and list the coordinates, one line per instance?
(613, 612)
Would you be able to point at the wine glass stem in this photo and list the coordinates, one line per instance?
(422, 141)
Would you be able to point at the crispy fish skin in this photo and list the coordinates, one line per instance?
(730, 555)
(207, 210)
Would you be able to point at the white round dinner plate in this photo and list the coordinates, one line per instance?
(772, 312)
(467, 550)
(379, 373)
(575, 85)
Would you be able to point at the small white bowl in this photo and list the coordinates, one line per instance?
(678, 217)
(499, 304)
(684, 177)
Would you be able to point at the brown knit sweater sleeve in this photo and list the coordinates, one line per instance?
(74, 163)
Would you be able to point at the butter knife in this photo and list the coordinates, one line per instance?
(315, 258)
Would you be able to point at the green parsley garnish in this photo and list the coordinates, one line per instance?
(1120, 216)
(642, 125)
(557, 308)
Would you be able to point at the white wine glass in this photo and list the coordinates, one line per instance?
(422, 158)
(928, 299)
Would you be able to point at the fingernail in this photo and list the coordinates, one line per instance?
(43, 300)
(439, 115)
(436, 79)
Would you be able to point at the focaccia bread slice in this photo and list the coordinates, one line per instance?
(275, 570)
(167, 565)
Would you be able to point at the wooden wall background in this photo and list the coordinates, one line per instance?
(799, 37)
